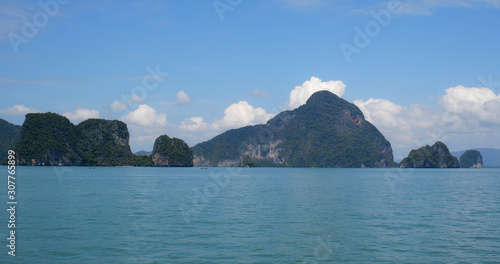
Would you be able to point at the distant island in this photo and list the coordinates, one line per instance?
(142, 152)
(471, 159)
(435, 156)
(490, 156)
(327, 131)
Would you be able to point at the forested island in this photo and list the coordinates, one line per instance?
(50, 139)
(435, 156)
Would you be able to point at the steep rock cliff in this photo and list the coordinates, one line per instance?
(171, 152)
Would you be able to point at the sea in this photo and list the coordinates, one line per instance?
(251, 215)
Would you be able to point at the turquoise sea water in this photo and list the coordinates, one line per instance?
(261, 215)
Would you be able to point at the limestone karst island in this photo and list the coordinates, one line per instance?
(327, 131)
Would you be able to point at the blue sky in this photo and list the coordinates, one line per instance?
(421, 71)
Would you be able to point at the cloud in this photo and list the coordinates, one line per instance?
(145, 125)
(135, 99)
(194, 124)
(407, 7)
(82, 114)
(464, 117)
(478, 103)
(261, 94)
(118, 106)
(182, 98)
(405, 127)
(18, 110)
(243, 114)
(300, 94)
(236, 115)
(384, 112)
(427, 7)
(146, 116)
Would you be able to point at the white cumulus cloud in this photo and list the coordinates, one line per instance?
(18, 110)
(405, 127)
(381, 111)
(459, 119)
(81, 114)
(300, 94)
(236, 115)
(194, 124)
(244, 114)
(146, 116)
(182, 98)
(479, 103)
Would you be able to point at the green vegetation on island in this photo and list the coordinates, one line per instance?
(50, 139)
(327, 131)
(435, 156)
(47, 139)
(471, 159)
(9, 135)
(104, 143)
(171, 152)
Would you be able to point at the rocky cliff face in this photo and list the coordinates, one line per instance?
(51, 157)
(471, 159)
(325, 132)
(435, 156)
(171, 152)
(52, 140)
(104, 142)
